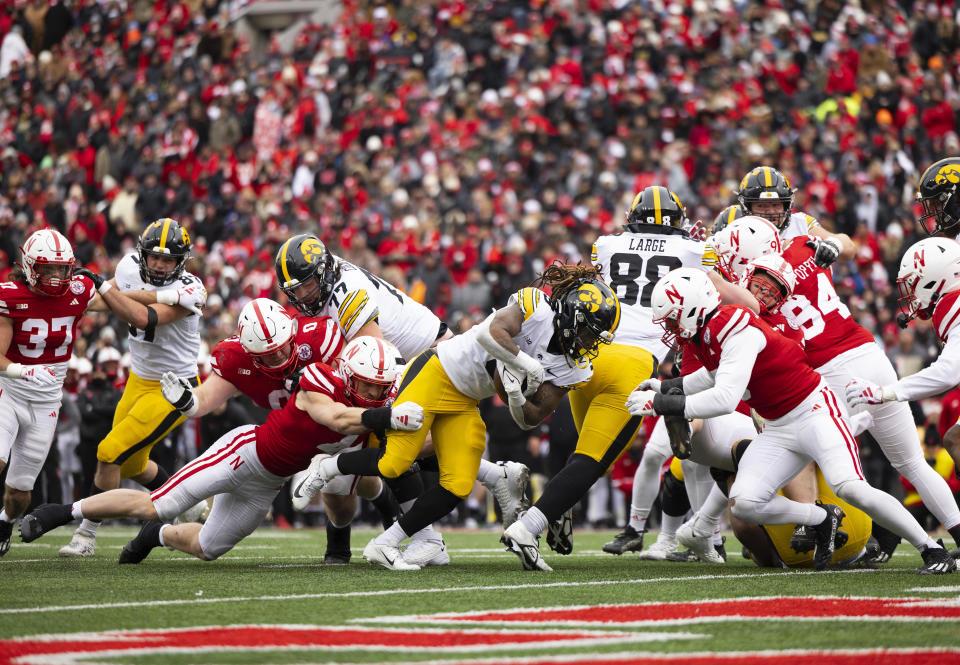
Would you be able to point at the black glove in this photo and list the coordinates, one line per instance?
(97, 280)
(292, 382)
(826, 251)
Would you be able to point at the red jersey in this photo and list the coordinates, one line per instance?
(290, 438)
(318, 340)
(816, 309)
(44, 328)
(946, 315)
(781, 377)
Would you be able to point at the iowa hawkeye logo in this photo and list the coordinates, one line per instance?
(564, 635)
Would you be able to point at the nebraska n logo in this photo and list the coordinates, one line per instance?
(674, 295)
(919, 258)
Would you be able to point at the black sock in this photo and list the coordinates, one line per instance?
(360, 463)
(435, 503)
(673, 497)
(386, 506)
(94, 490)
(955, 532)
(887, 539)
(569, 486)
(407, 486)
(338, 539)
(158, 480)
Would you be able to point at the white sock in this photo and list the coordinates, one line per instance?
(76, 512)
(638, 518)
(161, 535)
(88, 528)
(489, 473)
(535, 521)
(670, 524)
(4, 517)
(392, 536)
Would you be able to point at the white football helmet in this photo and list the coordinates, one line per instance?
(370, 360)
(268, 335)
(742, 241)
(44, 252)
(928, 270)
(773, 279)
(681, 302)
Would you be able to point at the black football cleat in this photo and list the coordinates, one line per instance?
(826, 534)
(6, 531)
(560, 534)
(937, 561)
(628, 540)
(803, 539)
(45, 517)
(137, 549)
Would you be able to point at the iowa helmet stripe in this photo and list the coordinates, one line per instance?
(283, 261)
(656, 205)
(731, 214)
(767, 177)
(163, 233)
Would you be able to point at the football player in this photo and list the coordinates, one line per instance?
(264, 361)
(168, 340)
(318, 283)
(839, 349)
(766, 192)
(542, 345)
(40, 310)
(937, 193)
(246, 467)
(744, 357)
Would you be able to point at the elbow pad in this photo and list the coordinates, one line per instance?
(672, 386)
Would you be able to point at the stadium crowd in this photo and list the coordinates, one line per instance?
(456, 148)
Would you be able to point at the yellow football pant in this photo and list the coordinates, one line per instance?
(452, 418)
(142, 418)
(599, 409)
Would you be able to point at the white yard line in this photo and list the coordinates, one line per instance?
(392, 592)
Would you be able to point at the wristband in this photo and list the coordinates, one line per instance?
(889, 394)
(669, 405)
(376, 420)
(14, 371)
(103, 288)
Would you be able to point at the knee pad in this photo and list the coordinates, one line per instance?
(673, 497)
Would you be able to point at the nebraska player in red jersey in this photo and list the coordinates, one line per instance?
(263, 362)
(40, 310)
(246, 467)
(839, 349)
(744, 357)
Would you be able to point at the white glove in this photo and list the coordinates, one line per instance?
(512, 384)
(39, 375)
(640, 403)
(860, 391)
(190, 297)
(407, 417)
(532, 369)
(177, 391)
(650, 384)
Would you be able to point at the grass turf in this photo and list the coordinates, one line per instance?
(275, 577)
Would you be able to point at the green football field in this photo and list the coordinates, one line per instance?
(271, 601)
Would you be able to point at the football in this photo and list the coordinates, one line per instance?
(498, 383)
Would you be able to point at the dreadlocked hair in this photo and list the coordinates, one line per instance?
(562, 278)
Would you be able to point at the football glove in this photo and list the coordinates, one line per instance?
(860, 391)
(178, 392)
(640, 403)
(190, 297)
(97, 280)
(292, 382)
(38, 375)
(826, 251)
(406, 417)
(533, 370)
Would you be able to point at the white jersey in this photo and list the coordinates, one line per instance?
(799, 224)
(360, 297)
(173, 346)
(471, 368)
(631, 262)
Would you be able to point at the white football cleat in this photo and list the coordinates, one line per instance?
(388, 556)
(659, 550)
(700, 545)
(510, 491)
(310, 485)
(427, 550)
(79, 546)
(518, 539)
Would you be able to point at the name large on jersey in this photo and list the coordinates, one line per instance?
(44, 328)
(631, 263)
(289, 438)
(318, 340)
(171, 347)
(471, 368)
(360, 297)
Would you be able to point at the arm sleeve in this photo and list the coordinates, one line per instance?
(939, 377)
(697, 382)
(730, 383)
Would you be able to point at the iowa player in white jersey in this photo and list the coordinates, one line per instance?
(766, 192)
(154, 275)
